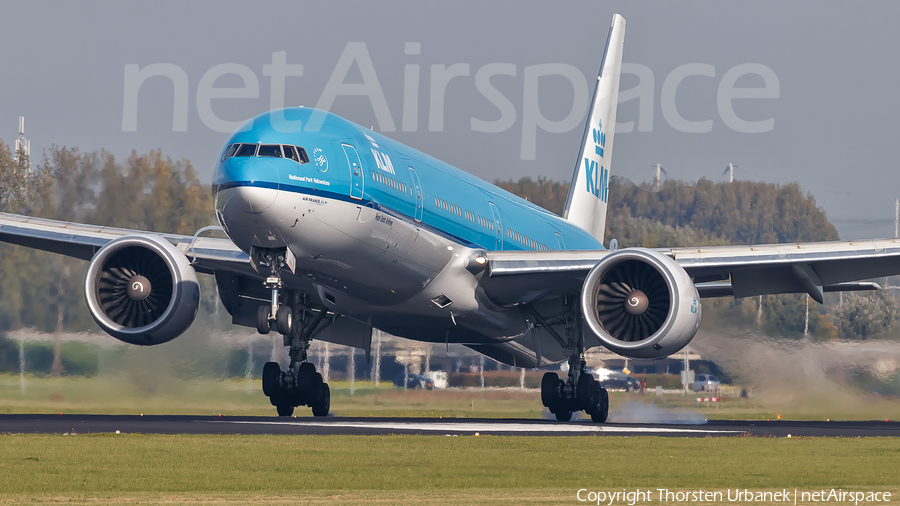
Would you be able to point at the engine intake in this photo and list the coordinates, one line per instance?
(640, 304)
(140, 289)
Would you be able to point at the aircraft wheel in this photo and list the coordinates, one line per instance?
(584, 391)
(601, 411)
(283, 320)
(549, 397)
(262, 320)
(323, 404)
(270, 373)
(284, 409)
(563, 415)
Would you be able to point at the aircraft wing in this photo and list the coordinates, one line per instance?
(82, 241)
(516, 277)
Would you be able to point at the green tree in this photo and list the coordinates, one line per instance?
(150, 192)
(865, 315)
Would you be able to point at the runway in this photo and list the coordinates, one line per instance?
(168, 424)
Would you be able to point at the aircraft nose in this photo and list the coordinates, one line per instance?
(249, 187)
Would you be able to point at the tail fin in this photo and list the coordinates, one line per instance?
(588, 193)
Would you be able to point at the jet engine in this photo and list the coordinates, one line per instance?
(640, 304)
(140, 289)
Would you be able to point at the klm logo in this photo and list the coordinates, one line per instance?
(599, 139)
(597, 176)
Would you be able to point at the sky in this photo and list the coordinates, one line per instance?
(788, 91)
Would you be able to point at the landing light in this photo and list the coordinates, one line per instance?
(480, 260)
(449, 248)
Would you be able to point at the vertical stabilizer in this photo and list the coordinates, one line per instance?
(588, 193)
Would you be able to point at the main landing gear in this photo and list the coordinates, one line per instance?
(563, 397)
(580, 390)
(291, 315)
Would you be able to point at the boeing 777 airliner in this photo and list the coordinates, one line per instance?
(336, 230)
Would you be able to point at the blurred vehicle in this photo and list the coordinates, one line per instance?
(618, 380)
(440, 378)
(706, 383)
(414, 381)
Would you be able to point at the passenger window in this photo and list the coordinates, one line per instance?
(270, 150)
(230, 152)
(246, 150)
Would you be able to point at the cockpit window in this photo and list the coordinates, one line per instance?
(246, 150)
(230, 151)
(295, 153)
(290, 152)
(270, 150)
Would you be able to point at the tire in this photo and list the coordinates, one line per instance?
(601, 413)
(563, 415)
(270, 373)
(549, 397)
(305, 391)
(323, 404)
(314, 391)
(283, 319)
(584, 391)
(262, 320)
(284, 409)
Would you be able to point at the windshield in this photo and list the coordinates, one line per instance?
(270, 150)
(246, 150)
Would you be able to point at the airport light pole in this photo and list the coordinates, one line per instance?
(326, 366)
(22, 366)
(377, 375)
(806, 326)
(352, 367)
(481, 371)
(759, 313)
(406, 369)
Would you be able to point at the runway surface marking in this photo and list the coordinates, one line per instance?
(487, 427)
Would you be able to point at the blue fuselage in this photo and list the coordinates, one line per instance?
(393, 178)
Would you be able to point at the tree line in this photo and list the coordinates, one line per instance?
(149, 191)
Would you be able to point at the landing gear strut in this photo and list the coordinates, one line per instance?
(580, 390)
(292, 316)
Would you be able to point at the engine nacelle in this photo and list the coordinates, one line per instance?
(640, 304)
(140, 289)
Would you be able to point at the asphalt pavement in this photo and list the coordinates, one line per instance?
(337, 425)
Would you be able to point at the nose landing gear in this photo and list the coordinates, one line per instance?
(292, 316)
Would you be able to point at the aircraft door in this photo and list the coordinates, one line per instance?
(418, 194)
(356, 174)
(498, 227)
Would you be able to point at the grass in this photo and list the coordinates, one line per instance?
(133, 393)
(422, 469)
(159, 469)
